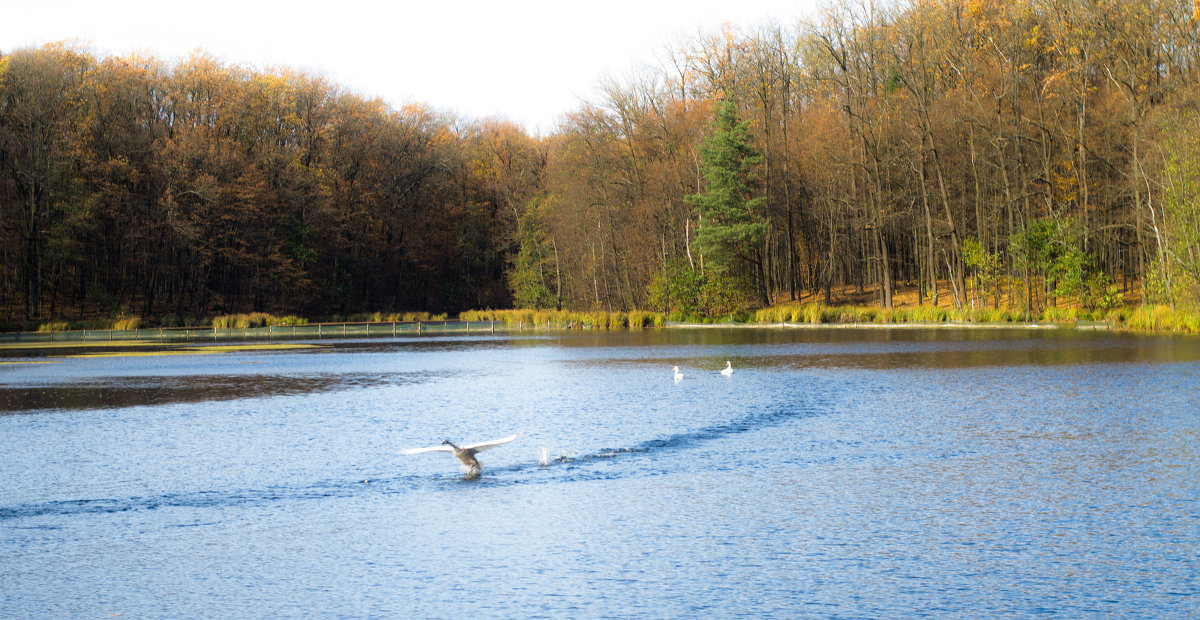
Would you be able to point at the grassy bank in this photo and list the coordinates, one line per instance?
(634, 319)
(244, 320)
(1134, 318)
(820, 313)
(255, 319)
(119, 324)
(1154, 319)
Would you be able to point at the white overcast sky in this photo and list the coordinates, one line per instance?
(527, 61)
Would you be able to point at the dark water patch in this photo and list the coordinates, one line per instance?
(117, 392)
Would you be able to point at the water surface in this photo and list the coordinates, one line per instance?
(837, 473)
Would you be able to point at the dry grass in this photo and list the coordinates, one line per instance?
(906, 296)
(255, 319)
(396, 317)
(1155, 319)
(634, 319)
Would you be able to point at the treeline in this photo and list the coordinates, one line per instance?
(1026, 152)
(1029, 153)
(130, 186)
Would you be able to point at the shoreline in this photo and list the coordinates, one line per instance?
(64, 340)
(1144, 319)
(906, 325)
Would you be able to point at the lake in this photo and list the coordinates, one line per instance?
(838, 473)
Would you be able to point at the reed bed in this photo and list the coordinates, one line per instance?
(127, 324)
(395, 317)
(122, 324)
(1138, 318)
(822, 314)
(1062, 316)
(601, 320)
(255, 319)
(1154, 319)
(1149, 318)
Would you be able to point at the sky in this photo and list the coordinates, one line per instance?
(526, 61)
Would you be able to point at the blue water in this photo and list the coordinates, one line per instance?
(836, 474)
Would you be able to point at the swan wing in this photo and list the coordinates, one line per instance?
(429, 449)
(484, 445)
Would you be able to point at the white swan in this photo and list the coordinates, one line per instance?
(465, 453)
(678, 375)
(728, 370)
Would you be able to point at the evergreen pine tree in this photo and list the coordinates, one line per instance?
(732, 229)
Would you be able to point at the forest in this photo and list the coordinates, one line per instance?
(972, 153)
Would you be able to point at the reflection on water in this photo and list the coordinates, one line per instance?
(864, 473)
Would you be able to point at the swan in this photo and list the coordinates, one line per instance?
(678, 375)
(728, 370)
(465, 453)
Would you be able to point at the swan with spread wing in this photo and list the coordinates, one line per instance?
(465, 453)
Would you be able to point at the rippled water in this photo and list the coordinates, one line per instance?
(837, 473)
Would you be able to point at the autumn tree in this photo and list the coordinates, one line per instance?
(40, 94)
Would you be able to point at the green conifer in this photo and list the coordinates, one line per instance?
(732, 228)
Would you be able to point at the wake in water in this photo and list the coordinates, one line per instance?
(545, 460)
(195, 499)
(405, 484)
(677, 441)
